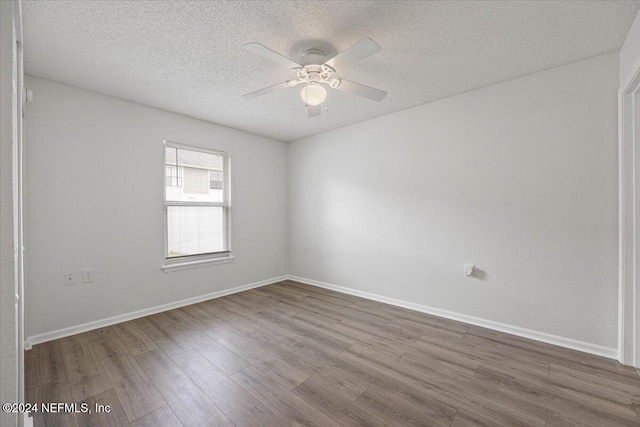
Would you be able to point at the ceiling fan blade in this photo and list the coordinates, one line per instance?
(272, 55)
(266, 90)
(361, 90)
(355, 53)
(314, 110)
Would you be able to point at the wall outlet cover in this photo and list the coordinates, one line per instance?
(88, 275)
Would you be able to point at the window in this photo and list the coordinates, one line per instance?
(215, 180)
(196, 205)
(173, 176)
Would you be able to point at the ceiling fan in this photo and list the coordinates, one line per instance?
(313, 70)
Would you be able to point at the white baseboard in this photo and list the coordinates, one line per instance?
(89, 326)
(598, 350)
(585, 347)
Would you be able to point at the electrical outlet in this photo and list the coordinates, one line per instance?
(88, 275)
(305, 250)
(69, 279)
(276, 249)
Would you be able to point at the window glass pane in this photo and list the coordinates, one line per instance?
(173, 177)
(170, 156)
(192, 180)
(195, 230)
(215, 180)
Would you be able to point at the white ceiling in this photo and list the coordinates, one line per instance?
(186, 57)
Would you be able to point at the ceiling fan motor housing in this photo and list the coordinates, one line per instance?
(314, 73)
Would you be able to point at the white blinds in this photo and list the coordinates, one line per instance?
(196, 204)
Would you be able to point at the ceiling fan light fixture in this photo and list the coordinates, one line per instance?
(313, 94)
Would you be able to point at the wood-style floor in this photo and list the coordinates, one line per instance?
(292, 354)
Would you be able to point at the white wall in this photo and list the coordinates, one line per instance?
(8, 342)
(630, 54)
(94, 198)
(519, 178)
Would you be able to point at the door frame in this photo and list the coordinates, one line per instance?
(18, 190)
(629, 222)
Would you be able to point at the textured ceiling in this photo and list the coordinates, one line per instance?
(186, 57)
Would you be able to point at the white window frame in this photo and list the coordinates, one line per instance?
(198, 260)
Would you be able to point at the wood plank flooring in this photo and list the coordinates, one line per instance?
(292, 354)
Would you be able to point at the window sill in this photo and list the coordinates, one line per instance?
(196, 264)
